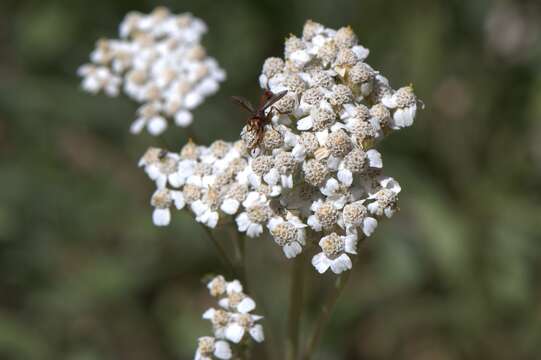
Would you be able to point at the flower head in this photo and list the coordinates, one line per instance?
(316, 175)
(289, 233)
(232, 323)
(159, 62)
(209, 348)
(334, 255)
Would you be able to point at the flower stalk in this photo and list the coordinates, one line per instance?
(222, 254)
(296, 293)
(325, 313)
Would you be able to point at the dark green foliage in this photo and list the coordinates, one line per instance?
(84, 275)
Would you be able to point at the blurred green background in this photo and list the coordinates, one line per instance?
(455, 275)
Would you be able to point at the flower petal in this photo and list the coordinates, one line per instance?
(230, 206)
(369, 225)
(374, 158)
(292, 249)
(209, 314)
(161, 217)
(351, 244)
(257, 334)
(183, 118)
(233, 286)
(305, 123)
(321, 262)
(345, 176)
(234, 332)
(156, 125)
(222, 350)
(341, 264)
(246, 305)
(254, 230)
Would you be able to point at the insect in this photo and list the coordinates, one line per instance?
(258, 118)
(162, 154)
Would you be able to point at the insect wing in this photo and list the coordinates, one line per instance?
(274, 98)
(243, 103)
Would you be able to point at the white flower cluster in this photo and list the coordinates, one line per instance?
(201, 178)
(216, 183)
(159, 62)
(316, 168)
(319, 152)
(232, 322)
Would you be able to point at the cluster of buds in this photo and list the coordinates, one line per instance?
(159, 62)
(315, 174)
(232, 322)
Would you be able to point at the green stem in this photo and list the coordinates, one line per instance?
(245, 352)
(240, 254)
(325, 314)
(221, 251)
(295, 308)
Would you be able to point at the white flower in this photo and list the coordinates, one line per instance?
(239, 302)
(185, 169)
(162, 200)
(217, 286)
(233, 323)
(300, 58)
(335, 253)
(325, 215)
(405, 105)
(209, 348)
(230, 206)
(383, 200)
(256, 215)
(356, 215)
(289, 234)
(204, 213)
(236, 300)
(162, 167)
(99, 78)
(241, 324)
(220, 320)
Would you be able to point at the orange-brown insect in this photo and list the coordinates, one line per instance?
(258, 119)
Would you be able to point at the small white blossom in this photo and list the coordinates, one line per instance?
(204, 213)
(236, 300)
(220, 320)
(241, 324)
(405, 105)
(335, 253)
(162, 200)
(356, 215)
(326, 215)
(208, 348)
(290, 234)
(256, 215)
